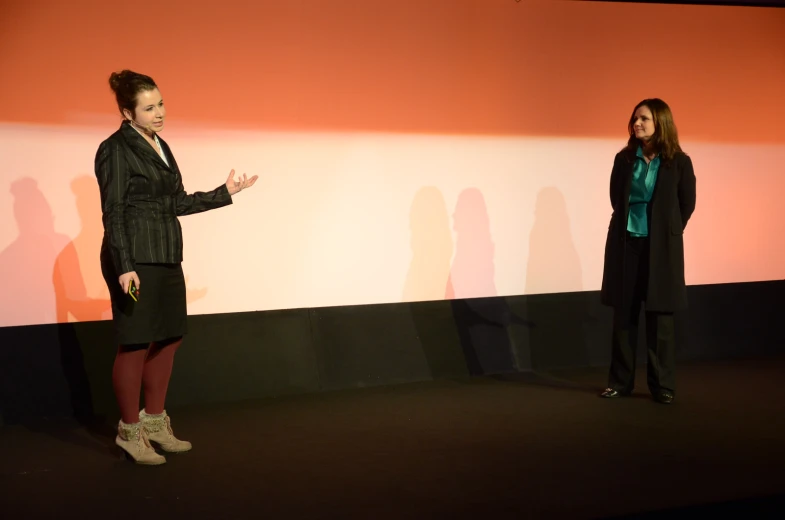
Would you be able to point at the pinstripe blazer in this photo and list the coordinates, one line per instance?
(141, 198)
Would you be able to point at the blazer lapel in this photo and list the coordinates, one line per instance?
(140, 145)
(169, 157)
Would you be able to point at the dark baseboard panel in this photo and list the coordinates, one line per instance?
(727, 3)
(64, 370)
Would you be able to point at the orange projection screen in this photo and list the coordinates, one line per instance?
(407, 150)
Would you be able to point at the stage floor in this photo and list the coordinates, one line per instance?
(523, 446)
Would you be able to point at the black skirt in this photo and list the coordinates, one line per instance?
(161, 311)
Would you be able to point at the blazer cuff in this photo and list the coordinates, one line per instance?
(223, 193)
(124, 265)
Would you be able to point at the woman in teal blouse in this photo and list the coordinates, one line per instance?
(653, 196)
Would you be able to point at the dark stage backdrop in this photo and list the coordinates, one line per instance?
(65, 369)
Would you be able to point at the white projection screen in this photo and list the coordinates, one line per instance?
(407, 150)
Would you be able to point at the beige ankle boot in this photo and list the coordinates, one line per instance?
(159, 430)
(133, 439)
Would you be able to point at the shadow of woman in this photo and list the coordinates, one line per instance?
(558, 340)
(29, 373)
(26, 264)
(35, 378)
(432, 247)
(481, 317)
(81, 295)
(428, 274)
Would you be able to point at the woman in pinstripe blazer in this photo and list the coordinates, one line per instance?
(142, 195)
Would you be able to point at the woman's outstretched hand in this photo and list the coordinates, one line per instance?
(236, 186)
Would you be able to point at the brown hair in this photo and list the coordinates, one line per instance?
(126, 85)
(665, 139)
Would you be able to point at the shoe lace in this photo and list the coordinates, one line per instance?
(143, 441)
(169, 430)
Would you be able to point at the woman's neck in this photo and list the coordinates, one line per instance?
(150, 136)
(648, 149)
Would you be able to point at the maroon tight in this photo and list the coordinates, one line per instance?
(148, 365)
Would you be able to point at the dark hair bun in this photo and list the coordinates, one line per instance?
(126, 84)
(116, 79)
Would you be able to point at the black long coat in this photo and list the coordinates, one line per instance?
(671, 206)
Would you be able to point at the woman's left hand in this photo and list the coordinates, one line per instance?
(236, 186)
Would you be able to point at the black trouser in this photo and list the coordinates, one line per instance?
(660, 336)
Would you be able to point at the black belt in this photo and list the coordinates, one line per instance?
(630, 236)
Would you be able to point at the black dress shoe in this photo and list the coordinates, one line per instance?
(611, 393)
(664, 396)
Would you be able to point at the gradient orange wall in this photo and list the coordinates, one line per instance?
(408, 150)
